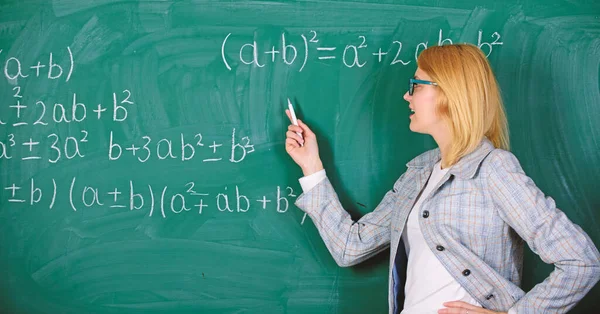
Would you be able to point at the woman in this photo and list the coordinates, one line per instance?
(457, 218)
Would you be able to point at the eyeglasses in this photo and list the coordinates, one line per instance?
(412, 82)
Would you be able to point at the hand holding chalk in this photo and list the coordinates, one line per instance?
(294, 120)
(301, 144)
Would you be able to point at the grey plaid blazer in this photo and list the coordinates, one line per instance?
(480, 212)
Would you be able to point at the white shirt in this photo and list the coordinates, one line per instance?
(428, 283)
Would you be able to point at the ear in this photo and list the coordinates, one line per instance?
(442, 106)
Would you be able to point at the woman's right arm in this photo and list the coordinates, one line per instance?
(348, 242)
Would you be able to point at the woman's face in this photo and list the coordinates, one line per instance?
(423, 103)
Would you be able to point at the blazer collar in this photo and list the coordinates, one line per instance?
(465, 168)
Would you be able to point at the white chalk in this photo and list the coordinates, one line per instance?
(294, 121)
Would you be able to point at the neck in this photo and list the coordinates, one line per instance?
(444, 142)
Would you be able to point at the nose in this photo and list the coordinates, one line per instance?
(407, 97)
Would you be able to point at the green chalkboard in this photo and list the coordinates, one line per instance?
(142, 159)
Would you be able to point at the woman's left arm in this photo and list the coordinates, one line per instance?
(549, 233)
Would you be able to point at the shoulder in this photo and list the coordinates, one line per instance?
(499, 159)
(503, 166)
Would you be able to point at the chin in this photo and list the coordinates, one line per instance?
(413, 128)
(416, 130)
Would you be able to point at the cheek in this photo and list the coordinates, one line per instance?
(427, 105)
(429, 99)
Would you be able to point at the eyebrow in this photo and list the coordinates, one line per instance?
(417, 77)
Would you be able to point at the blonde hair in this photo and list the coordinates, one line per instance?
(468, 97)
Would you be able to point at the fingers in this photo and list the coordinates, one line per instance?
(455, 311)
(306, 129)
(290, 142)
(460, 307)
(294, 136)
(461, 304)
(303, 129)
(295, 128)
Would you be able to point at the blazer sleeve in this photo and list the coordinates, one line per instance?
(349, 242)
(549, 233)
